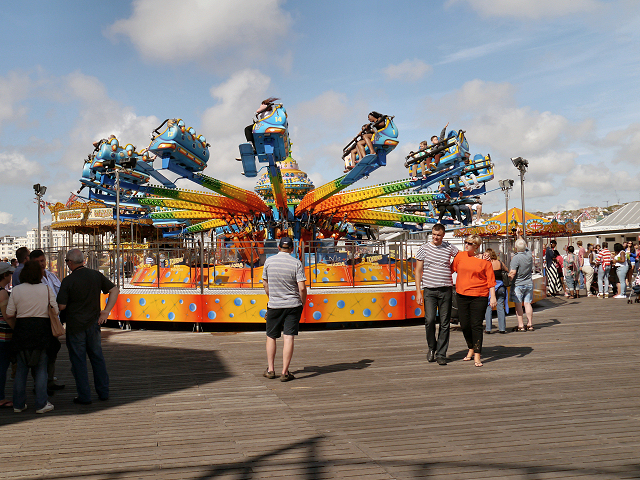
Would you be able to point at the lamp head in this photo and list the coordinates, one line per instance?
(505, 185)
(39, 189)
(520, 163)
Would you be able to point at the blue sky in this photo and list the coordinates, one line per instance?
(553, 81)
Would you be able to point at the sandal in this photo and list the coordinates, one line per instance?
(269, 374)
(518, 329)
(479, 364)
(529, 328)
(467, 359)
(6, 404)
(286, 377)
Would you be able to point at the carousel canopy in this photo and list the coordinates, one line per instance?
(534, 225)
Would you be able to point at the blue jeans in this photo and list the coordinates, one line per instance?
(603, 277)
(501, 295)
(81, 345)
(4, 365)
(622, 278)
(20, 382)
(571, 282)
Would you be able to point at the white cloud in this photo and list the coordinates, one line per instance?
(14, 88)
(600, 178)
(533, 189)
(15, 168)
(528, 9)
(407, 71)
(478, 51)
(627, 142)
(6, 218)
(197, 30)
(223, 124)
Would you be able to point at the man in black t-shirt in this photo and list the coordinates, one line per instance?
(79, 303)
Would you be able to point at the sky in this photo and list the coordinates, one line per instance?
(553, 81)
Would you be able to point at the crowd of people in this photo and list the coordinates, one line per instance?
(595, 269)
(27, 341)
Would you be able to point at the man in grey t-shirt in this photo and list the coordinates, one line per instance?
(285, 285)
(522, 284)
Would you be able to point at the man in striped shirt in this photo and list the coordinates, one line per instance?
(604, 266)
(433, 273)
(285, 285)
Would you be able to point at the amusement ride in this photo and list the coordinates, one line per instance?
(326, 220)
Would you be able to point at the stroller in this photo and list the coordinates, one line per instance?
(635, 287)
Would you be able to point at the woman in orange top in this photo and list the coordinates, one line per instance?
(474, 283)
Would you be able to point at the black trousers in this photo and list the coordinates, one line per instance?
(471, 311)
(437, 300)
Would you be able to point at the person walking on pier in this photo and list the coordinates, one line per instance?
(434, 290)
(285, 284)
(79, 302)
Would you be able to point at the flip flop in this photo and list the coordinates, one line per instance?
(467, 359)
(479, 364)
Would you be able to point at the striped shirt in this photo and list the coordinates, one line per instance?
(283, 272)
(437, 264)
(5, 329)
(604, 257)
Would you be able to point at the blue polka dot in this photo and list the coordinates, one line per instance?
(211, 315)
(192, 307)
(341, 303)
(217, 300)
(373, 300)
(363, 270)
(404, 276)
(171, 316)
(373, 277)
(142, 302)
(389, 315)
(128, 300)
(310, 304)
(186, 280)
(148, 315)
(162, 301)
(253, 301)
(413, 297)
(393, 302)
(366, 312)
(351, 312)
(326, 300)
(342, 279)
(127, 313)
(181, 301)
(263, 312)
(316, 271)
(314, 280)
(317, 315)
(237, 302)
(418, 312)
(371, 269)
(325, 279)
(167, 275)
(231, 315)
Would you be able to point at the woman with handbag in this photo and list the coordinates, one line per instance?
(29, 309)
(475, 285)
(6, 270)
(501, 274)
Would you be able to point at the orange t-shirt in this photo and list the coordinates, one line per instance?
(475, 275)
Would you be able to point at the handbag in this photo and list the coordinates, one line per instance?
(506, 281)
(56, 326)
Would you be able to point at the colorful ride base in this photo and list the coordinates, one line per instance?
(228, 305)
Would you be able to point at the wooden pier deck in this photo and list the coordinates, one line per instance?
(560, 402)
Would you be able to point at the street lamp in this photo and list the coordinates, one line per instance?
(40, 191)
(506, 186)
(521, 164)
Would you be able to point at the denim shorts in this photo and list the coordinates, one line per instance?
(522, 293)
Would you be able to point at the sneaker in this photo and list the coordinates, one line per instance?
(286, 377)
(238, 159)
(606, 295)
(620, 296)
(589, 294)
(18, 410)
(414, 178)
(47, 408)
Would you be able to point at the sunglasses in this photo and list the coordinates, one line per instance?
(470, 243)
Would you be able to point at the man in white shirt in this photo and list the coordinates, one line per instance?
(50, 279)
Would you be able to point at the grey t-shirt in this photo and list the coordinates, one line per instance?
(522, 262)
(283, 272)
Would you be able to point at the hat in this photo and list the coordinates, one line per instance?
(6, 267)
(286, 242)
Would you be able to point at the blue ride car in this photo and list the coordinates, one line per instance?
(181, 146)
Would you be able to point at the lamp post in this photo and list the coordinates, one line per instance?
(521, 164)
(40, 190)
(506, 186)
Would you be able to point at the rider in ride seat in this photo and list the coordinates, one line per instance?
(263, 111)
(414, 168)
(377, 121)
